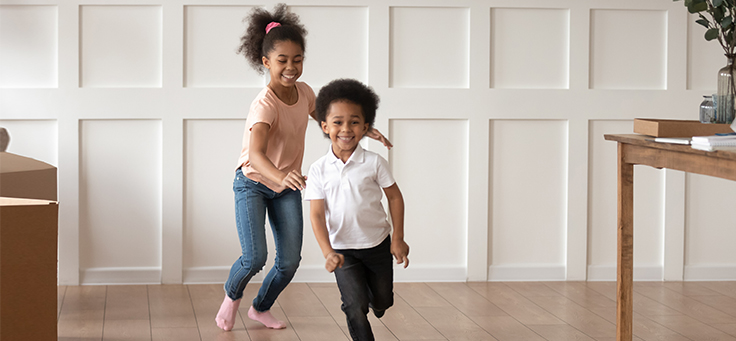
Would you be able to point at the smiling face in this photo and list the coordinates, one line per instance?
(284, 64)
(345, 126)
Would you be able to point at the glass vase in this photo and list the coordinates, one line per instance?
(707, 110)
(725, 94)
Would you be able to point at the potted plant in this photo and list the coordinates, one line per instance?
(718, 16)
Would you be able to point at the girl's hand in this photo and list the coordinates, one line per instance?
(333, 261)
(294, 180)
(376, 135)
(400, 250)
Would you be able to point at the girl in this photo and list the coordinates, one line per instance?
(269, 175)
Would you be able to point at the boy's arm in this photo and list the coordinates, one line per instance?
(333, 260)
(399, 248)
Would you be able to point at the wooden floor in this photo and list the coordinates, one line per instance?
(562, 311)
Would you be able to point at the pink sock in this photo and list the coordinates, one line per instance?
(226, 316)
(266, 318)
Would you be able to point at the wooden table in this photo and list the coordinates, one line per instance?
(642, 150)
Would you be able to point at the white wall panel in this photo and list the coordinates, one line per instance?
(146, 176)
(429, 47)
(212, 37)
(527, 205)
(432, 175)
(120, 197)
(28, 46)
(709, 232)
(648, 209)
(704, 58)
(336, 48)
(210, 235)
(542, 61)
(630, 56)
(121, 46)
(37, 139)
(312, 267)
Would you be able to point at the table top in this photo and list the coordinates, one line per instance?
(648, 141)
(642, 150)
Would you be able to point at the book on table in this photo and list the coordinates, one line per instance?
(714, 142)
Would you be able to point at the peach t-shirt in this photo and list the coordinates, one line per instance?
(285, 137)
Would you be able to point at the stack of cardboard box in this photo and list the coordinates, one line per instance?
(28, 249)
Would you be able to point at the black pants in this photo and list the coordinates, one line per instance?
(366, 279)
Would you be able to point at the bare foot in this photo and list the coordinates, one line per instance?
(226, 316)
(266, 318)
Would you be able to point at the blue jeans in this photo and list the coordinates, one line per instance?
(366, 279)
(252, 201)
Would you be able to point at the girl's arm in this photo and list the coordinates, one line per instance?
(261, 162)
(376, 135)
(399, 248)
(333, 260)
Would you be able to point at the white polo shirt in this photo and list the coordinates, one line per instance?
(352, 193)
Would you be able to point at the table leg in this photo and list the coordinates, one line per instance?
(625, 259)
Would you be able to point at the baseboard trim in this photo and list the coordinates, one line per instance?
(120, 276)
(318, 274)
(641, 273)
(709, 273)
(516, 273)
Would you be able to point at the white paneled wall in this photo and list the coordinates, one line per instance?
(120, 199)
(527, 209)
(29, 60)
(497, 109)
(120, 46)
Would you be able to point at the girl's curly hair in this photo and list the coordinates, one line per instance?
(255, 43)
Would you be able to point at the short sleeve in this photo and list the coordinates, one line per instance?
(311, 98)
(383, 173)
(315, 186)
(261, 111)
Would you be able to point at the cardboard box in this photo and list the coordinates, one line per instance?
(678, 128)
(22, 177)
(28, 253)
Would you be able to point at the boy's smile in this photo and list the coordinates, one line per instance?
(346, 126)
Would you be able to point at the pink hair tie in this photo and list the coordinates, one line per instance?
(271, 25)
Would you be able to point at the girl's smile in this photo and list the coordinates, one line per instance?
(284, 64)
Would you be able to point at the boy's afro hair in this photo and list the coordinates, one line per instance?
(349, 90)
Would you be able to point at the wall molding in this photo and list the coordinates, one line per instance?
(120, 275)
(710, 273)
(503, 273)
(641, 273)
(318, 274)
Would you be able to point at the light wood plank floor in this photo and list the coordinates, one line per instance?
(562, 311)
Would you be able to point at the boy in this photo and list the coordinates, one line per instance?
(348, 219)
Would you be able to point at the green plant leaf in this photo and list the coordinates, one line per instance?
(727, 21)
(717, 3)
(696, 7)
(718, 14)
(703, 22)
(711, 34)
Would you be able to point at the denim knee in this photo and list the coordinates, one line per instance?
(253, 266)
(383, 303)
(289, 265)
(355, 310)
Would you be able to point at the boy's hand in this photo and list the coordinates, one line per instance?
(400, 250)
(333, 261)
